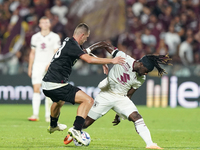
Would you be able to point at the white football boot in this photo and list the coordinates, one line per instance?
(59, 127)
(76, 134)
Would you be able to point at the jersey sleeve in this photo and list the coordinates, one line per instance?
(33, 42)
(118, 53)
(75, 51)
(57, 42)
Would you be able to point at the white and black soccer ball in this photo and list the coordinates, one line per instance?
(85, 137)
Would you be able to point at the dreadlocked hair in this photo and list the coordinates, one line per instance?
(157, 60)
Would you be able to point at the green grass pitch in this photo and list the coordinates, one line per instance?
(171, 128)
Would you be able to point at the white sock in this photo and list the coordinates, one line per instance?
(36, 103)
(143, 131)
(48, 103)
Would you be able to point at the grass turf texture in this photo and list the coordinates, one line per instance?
(177, 129)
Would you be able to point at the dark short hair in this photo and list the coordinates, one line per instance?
(84, 27)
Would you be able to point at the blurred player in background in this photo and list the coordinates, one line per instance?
(55, 82)
(118, 88)
(43, 46)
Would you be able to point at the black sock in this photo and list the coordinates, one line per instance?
(78, 123)
(54, 121)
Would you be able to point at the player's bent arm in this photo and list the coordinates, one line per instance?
(93, 60)
(31, 60)
(101, 44)
(110, 49)
(131, 92)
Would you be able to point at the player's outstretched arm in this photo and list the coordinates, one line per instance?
(93, 60)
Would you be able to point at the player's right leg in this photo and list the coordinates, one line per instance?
(36, 100)
(55, 112)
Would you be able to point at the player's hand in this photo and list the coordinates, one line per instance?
(116, 120)
(105, 69)
(118, 60)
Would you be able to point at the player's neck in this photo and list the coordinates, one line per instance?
(45, 32)
(76, 38)
(134, 66)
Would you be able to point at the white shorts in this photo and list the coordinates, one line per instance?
(105, 101)
(38, 72)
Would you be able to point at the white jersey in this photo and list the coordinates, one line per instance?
(122, 78)
(44, 46)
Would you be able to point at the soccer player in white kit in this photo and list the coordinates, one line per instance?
(43, 46)
(117, 89)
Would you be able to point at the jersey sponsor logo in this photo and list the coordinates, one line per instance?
(123, 79)
(126, 66)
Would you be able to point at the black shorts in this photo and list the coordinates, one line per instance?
(66, 93)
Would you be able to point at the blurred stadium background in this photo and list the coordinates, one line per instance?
(138, 27)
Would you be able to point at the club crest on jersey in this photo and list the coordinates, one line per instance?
(43, 45)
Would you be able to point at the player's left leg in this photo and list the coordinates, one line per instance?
(88, 121)
(86, 103)
(48, 103)
(142, 130)
(125, 108)
(100, 107)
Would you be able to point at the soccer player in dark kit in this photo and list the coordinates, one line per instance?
(55, 82)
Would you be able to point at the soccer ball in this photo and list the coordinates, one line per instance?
(85, 137)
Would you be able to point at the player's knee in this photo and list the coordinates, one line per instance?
(91, 101)
(60, 103)
(36, 90)
(134, 116)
